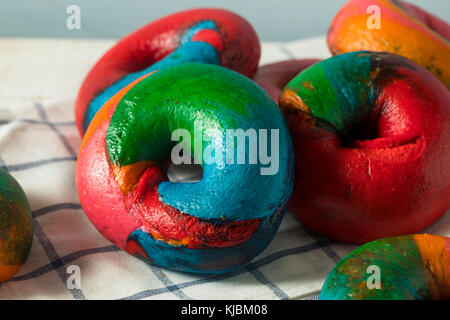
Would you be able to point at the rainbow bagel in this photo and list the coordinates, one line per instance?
(273, 77)
(371, 133)
(214, 36)
(405, 29)
(412, 267)
(210, 226)
(16, 230)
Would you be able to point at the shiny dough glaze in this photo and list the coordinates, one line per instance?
(371, 133)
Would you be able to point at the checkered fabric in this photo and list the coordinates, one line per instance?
(39, 143)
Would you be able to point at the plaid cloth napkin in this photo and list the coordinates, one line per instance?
(39, 144)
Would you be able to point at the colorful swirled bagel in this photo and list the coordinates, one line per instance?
(214, 36)
(16, 230)
(371, 134)
(411, 267)
(273, 77)
(402, 28)
(210, 226)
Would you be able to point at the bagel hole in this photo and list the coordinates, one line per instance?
(182, 173)
(364, 130)
(361, 132)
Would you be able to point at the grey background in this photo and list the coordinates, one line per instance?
(274, 20)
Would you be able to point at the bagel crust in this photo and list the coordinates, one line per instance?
(16, 231)
(210, 226)
(412, 267)
(273, 77)
(371, 133)
(404, 29)
(214, 36)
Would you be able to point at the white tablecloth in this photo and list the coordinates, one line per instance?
(39, 80)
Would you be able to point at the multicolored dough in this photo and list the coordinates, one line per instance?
(273, 77)
(210, 226)
(404, 29)
(412, 267)
(16, 234)
(371, 134)
(213, 36)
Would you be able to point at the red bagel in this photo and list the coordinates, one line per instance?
(233, 37)
(371, 135)
(431, 21)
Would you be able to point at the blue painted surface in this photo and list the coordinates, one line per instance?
(236, 191)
